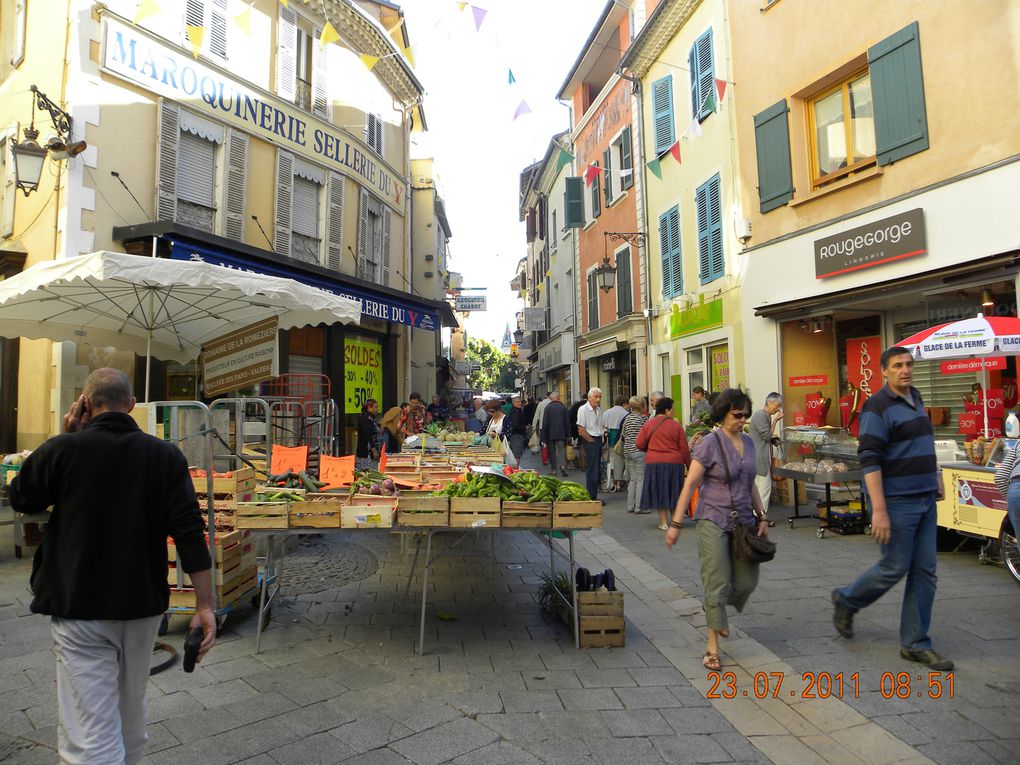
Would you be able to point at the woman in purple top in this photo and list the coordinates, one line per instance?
(723, 466)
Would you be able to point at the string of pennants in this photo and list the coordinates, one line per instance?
(592, 171)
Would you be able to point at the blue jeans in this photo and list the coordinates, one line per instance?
(593, 466)
(1013, 506)
(909, 552)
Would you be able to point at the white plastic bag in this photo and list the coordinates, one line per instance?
(508, 455)
(535, 444)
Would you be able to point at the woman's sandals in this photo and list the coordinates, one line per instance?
(710, 661)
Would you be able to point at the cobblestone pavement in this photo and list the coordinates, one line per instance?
(338, 680)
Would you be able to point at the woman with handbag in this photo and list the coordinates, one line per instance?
(729, 511)
(667, 456)
(633, 457)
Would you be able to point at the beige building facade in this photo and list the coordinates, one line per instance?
(225, 132)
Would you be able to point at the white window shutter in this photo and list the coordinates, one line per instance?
(387, 220)
(20, 21)
(217, 32)
(166, 167)
(378, 134)
(194, 16)
(286, 55)
(196, 170)
(320, 73)
(10, 189)
(236, 186)
(363, 234)
(305, 208)
(284, 199)
(335, 223)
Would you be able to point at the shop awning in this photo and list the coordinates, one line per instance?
(601, 348)
(377, 302)
(926, 280)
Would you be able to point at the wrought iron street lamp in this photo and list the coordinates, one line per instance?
(605, 274)
(518, 336)
(29, 156)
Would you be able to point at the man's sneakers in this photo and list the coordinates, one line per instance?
(842, 617)
(928, 657)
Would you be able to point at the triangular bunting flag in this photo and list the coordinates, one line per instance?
(675, 151)
(284, 3)
(548, 273)
(479, 14)
(369, 61)
(591, 172)
(195, 37)
(654, 166)
(627, 173)
(709, 104)
(720, 86)
(694, 129)
(563, 159)
(462, 6)
(510, 79)
(243, 21)
(146, 8)
(329, 35)
(521, 109)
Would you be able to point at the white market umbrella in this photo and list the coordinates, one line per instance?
(979, 337)
(155, 306)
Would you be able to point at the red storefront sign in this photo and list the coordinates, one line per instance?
(809, 380)
(964, 366)
(863, 364)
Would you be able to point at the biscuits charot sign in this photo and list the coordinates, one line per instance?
(883, 241)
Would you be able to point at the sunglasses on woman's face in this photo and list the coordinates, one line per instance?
(740, 415)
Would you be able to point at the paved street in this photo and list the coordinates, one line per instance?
(338, 681)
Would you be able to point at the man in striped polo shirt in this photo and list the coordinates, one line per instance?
(897, 454)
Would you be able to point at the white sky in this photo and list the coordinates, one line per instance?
(479, 149)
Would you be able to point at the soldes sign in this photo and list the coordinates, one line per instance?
(901, 236)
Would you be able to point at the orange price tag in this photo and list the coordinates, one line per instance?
(336, 471)
(286, 458)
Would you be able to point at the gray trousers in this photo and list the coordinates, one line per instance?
(557, 455)
(636, 480)
(727, 582)
(102, 671)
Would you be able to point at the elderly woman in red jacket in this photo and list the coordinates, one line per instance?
(667, 456)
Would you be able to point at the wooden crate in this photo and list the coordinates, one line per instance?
(320, 511)
(577, 515)
(226, 593)
(600, 619)
(238, 558)
(262, 515)
(474, 512)
(403, 459)
(422, 509)
(224, 502)
(242, 480)
(526, 515)
(374, 515)
(225, 540)
(782, 492)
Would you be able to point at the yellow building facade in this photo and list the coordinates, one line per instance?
(691, 198)
(228, 132)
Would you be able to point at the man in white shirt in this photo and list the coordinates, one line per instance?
(591, 430)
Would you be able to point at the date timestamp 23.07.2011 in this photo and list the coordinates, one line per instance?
(824, 685)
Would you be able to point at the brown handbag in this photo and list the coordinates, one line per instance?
(745, 545)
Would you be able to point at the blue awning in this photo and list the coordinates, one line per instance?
(374, 304)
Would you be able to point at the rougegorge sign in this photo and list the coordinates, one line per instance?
(883, 241)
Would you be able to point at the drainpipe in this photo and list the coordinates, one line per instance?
(642, 217)
(574, 265)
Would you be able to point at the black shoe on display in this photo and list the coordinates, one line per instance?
(583, 580)
(842, 617)
(609, 580)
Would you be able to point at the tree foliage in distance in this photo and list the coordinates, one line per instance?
(498, 371)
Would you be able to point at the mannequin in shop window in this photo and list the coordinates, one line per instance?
(976, 395)
(817, 408)
(850, 409)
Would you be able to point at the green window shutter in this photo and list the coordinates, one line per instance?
(573, 203)
(716, 259)
(897, 87)
(702, 67)
(772, 143)
(596, 195)
(624, 288)
(664, 252)
(607, 161)
(593, 302)
(626, 160)
(662, 114)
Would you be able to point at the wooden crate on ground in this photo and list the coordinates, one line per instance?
(236, 482)
(474, 512)
(238, 558)
(782, 492)
(600, 619)
(368, 512)
(230, 591)
(422, 509)
(223, 546)
(526, 515)
(262, 515)
(320, 511)
(577, 515)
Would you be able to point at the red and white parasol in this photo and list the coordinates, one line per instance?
(979, 337)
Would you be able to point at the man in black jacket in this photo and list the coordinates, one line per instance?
(518, 428)
(101, 572)
(555, 430)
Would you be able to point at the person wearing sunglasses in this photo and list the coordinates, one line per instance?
(724, 468)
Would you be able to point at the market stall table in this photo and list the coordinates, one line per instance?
(826, 479)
